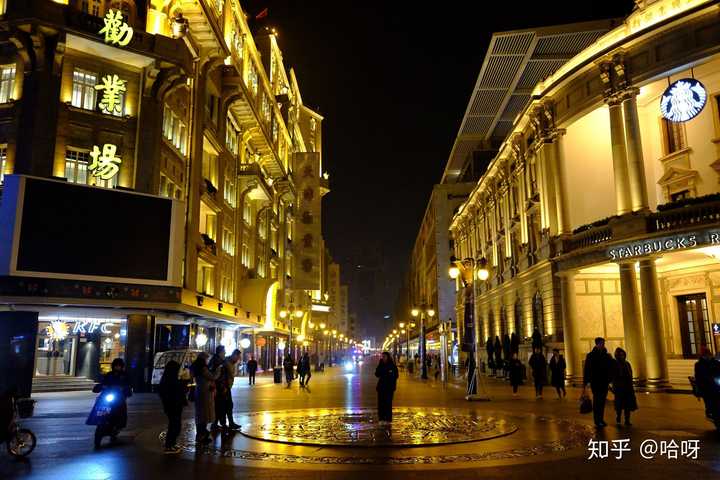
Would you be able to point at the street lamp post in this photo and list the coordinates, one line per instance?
(422, 312)
(466, 271)
(291, 312)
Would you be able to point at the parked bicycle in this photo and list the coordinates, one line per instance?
(20, 441)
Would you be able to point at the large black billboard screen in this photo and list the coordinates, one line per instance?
(79, 230)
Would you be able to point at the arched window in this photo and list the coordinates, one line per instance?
(518, 318)
(503, 321)
(538, 314)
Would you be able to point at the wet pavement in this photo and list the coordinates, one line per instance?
(329, 430)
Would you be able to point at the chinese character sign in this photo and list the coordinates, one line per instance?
(683, 100)
(112, 97)
(105, 164)
(116, 31)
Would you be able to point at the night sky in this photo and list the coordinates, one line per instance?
(392, 80)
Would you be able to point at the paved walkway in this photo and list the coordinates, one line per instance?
(539, 438)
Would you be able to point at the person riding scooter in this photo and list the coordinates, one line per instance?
(109, 413)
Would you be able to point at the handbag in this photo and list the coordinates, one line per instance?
(586, 405)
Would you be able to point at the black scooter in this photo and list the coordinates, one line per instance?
(109, 414)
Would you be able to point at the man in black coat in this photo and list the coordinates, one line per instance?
(707, 369)
(252, 367)
(597, 374)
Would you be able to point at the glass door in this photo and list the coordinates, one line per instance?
(55, 358)
(694, 324)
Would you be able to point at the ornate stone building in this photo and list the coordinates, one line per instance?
(599, 214)
(187, 100)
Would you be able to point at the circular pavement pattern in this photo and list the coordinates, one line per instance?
(417, 438)
(361, 428)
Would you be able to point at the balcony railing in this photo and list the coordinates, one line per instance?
(253, 169)
(678, 215)
(688, 215)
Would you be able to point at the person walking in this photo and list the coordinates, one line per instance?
(490, 358)
(204, 397)
(304, 370)
(514, 343)
(173, 394)
(707, 369)
(226, 382)
(596, 374)
(622, 387)
(497, 349)
(536, 339)
(538, 365)
(516, 371)
(215, 365)
(288, 366)
(251, 369)
(387, 374)
(506, 355)
(557, 373)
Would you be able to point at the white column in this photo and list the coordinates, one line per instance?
(657, 371)
(617, 139)
(632, 322)
(633, 144)
(558, 170)
(573, 355)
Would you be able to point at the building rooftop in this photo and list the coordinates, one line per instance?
(514, 63)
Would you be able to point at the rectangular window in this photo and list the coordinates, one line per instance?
(76, 165)
(674, 133)
(261, 269)
(7, 83)
(206, 279)
(84, 93)
(229, 192)
(245, 255)
(228, 242)
(209, 167)
(232, 134)
(3, 162)
(175, 130)
(252, 82)
(247, 213)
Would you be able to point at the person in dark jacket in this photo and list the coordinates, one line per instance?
(622, 386)
(489, 349)
(204, 397)
(117, 378)
(224, 391)
(557, 373)
(506, 353)
(597, 372)
(538, 365)
(173, 394)
(516, 373)
(252, 367)
(387, 374)
(215, 365)
(537, 339)
(514, 343)
(288, 366)
(304, 370)
(497, 348)
(707, 369)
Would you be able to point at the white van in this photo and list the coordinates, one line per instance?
(184, 357)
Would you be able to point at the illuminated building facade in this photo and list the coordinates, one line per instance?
(190, 102)
(598, 215)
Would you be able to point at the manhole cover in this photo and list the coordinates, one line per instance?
(410, 427)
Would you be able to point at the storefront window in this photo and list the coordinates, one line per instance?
(78, 347)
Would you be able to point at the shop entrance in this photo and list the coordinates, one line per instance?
(55, 358)
(694, 324)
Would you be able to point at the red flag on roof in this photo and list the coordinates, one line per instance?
(263, 13)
